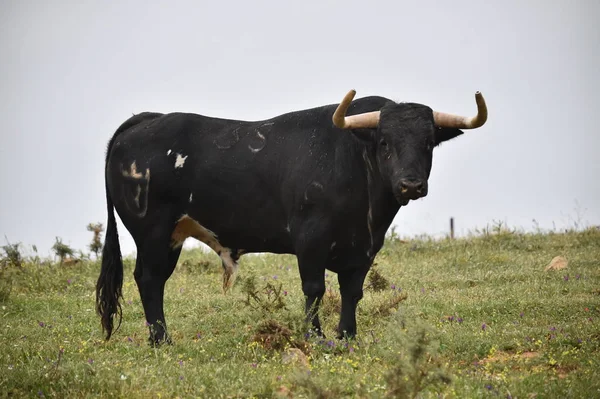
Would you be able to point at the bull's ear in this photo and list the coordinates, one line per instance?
(446, 133)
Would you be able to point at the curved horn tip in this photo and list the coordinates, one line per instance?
(350, 95)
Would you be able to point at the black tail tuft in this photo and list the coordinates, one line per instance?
(110, 282)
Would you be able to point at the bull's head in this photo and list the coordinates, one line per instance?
(404, 136)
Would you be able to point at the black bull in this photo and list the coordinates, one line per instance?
(298, 183)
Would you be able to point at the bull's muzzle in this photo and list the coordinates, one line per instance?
(412, 189)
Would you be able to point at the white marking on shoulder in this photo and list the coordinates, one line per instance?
(169, 152)
(180, 160)
(287, 228)
(332, 245)
(191, 194)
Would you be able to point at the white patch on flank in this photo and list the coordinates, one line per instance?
(180, 161)
(191, 197)
(332, 245)
(188, 227)
(169, 152)
(287, 228)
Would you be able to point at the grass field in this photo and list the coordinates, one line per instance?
(467, 318)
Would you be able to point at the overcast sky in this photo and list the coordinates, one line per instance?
(72, 72)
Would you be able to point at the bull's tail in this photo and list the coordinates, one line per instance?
(110, 283)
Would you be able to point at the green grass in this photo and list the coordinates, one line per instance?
(468, 318)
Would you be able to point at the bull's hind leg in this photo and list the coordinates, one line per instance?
(155, 263)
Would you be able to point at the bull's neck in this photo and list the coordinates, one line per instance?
(382, 206)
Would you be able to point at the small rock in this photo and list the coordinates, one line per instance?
(558, 263)
(294, 356)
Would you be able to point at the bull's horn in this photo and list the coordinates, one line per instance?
(360, 121)
(442, 119)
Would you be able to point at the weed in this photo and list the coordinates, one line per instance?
(272, 335)
(417, 366)
(331, 304)
(376, 281)
(12, 254)
(268, 297)
(201, 266)
(390, 305)
(5, 283)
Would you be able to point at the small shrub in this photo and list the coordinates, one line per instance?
(12, 254)
(198, 266)
(62, 250)
(274, 336)
(268, 297)
(331, 304)
(389, 306)
(96, 245)
(5, 284)
(377, 282)
(417, 367)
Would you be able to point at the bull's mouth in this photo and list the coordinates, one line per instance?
(402, 201)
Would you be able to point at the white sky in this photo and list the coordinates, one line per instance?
(72, 71)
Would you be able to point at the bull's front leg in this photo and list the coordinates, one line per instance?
(351, 289)
(313, 286)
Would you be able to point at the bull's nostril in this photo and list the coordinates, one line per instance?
(412, 188)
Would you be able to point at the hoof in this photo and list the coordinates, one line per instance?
(158, 342)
